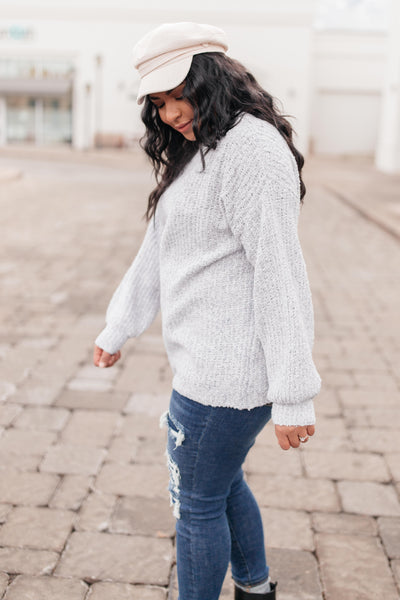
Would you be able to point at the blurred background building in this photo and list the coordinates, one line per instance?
(66, 74)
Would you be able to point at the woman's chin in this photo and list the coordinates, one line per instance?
(189, 136)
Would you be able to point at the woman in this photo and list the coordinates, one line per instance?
(222, 259)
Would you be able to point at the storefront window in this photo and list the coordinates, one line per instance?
(357, 15)
(56, 69)
(45, 120)
(38, 69)
(20, 119)
(57, 126)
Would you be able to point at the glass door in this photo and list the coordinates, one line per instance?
(57, 120)
(21, 119)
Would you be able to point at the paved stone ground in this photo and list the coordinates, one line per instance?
(83, 503)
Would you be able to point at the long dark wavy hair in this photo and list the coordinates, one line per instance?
(220, 89)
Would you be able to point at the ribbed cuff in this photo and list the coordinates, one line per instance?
(293, 414)
(111, 339)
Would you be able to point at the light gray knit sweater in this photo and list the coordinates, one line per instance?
(222, 260)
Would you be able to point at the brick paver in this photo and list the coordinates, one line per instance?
(126, 558)
(389, 530)
(354, 567)
(27, 561)
(46, 588)
(84, 507)
(96, 512)
(72, 458)
(369, 498)
(125, 591)
(71, 492)
(143, 516)
(37, 527)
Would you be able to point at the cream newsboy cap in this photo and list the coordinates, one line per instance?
(164, 55)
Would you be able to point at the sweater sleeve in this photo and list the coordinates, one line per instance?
(261, 196)
(136, 301)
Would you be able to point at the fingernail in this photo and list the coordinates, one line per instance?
(102, 364)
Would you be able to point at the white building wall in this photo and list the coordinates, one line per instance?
(331, 82)
(347, 85)
(264, 35)
(388, 149)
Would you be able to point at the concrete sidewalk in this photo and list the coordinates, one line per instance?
(83, 501)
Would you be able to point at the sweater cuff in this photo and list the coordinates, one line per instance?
(293, 414)
(111, 339)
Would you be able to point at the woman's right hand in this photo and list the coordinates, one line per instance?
(102, 359)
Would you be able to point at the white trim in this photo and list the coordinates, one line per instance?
(278, 14)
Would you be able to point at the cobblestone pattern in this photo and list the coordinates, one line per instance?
(84, 511)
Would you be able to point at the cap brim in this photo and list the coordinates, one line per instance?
(164, 78)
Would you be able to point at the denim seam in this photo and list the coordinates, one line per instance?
(192, 486)
(239, 546)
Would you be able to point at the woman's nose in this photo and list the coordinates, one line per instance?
(172, 111)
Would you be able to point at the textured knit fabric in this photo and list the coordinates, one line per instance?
(223, 261)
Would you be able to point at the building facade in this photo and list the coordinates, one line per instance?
(66, 73)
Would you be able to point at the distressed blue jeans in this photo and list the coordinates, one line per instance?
(217, 517)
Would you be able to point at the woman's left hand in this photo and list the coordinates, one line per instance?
(289, 436)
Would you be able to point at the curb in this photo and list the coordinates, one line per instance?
(9, 174)
(374, 216)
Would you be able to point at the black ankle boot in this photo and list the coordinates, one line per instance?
(241, 595)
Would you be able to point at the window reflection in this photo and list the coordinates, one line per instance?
(35, 69)
(363, 15)
(32, 120)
